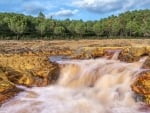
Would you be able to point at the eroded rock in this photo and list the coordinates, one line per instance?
(146, 64)
(141, 86)
(29, 70)
(7, 88)
(126, 54)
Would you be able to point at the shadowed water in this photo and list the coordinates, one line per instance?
(84, 86)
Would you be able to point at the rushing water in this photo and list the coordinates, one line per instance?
(84, 86)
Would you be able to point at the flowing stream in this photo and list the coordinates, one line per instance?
(84, 86)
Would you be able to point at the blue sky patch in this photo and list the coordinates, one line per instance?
(73, 9)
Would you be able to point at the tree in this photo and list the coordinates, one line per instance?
(145, 28)
(4, 29)
(132, 28)
(71, 28)
(122, 25)
(18, 25)
(107, 27)
(50, 26)
(41, 27)
(41, 15)
(59, 30)
(98, 28)
(80, 28)
(115, 28)
(89, 28)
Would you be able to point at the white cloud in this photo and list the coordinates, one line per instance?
(65, 12)
(105, 6)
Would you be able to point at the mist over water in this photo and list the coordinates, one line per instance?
(84, 86)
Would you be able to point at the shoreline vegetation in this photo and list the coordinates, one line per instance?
(128, 25)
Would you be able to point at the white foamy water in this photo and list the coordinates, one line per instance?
(84, 86)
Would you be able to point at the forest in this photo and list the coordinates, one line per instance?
(131, 24)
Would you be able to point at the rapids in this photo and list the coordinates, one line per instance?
(84, 86)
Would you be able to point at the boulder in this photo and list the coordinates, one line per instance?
(146, 64)
(29, 70)
(7, 88)
(132, 54)
(137, 51)
(141, 86)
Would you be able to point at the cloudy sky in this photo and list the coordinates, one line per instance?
(73, 9)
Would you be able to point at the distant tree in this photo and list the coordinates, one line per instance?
(122, 25)
(18, 25)
(132, 28)
(71, 28)
(131, 23)
(41, 27)
(80, 28)
(145, 27)
(41, 15)
(89, 27)
(115, 28)
(59, 30)
(98, 28)
(107, 27)
(50, 26)
(4, 29)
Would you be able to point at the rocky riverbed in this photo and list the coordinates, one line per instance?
(28, 64)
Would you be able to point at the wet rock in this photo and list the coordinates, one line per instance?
(88, 52)
(132, 54)
(146, 64)
(7, 88)
(148, 49)
(138, 51)
(127, 57)
(109, 52)
(82, 53)
(126, 54)
(95, 52)
(29, 70)
(141, 86)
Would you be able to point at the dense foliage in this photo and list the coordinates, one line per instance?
(128, 24)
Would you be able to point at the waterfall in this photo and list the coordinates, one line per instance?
(84, 86)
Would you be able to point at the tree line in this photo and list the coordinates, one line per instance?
(129, 24)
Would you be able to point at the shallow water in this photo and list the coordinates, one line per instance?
(58, 58)
(84, 86)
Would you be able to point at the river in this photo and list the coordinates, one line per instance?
(84, 86)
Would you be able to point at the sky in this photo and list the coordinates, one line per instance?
(73, 9)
